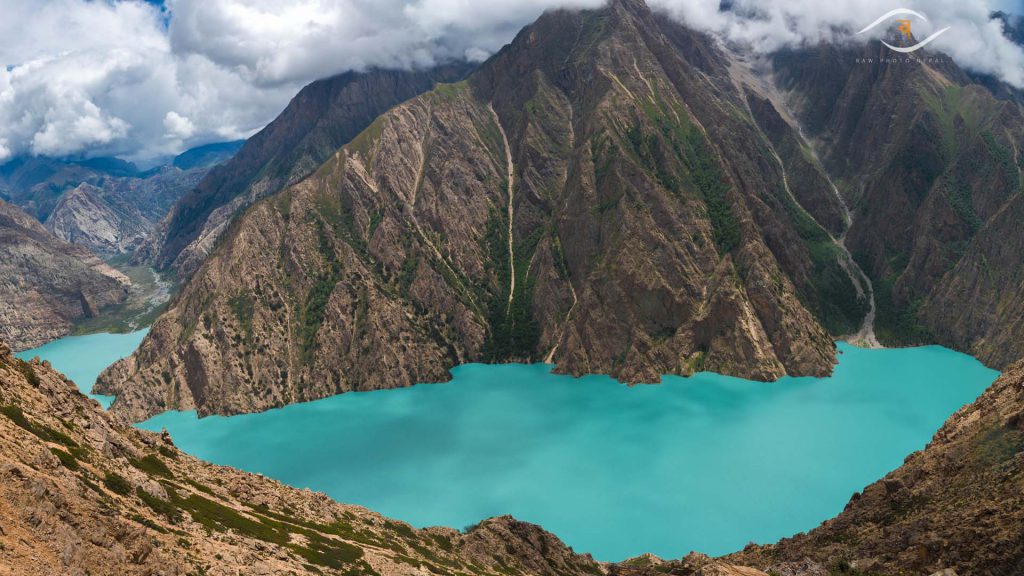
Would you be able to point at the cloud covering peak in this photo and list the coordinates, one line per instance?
(142, 81)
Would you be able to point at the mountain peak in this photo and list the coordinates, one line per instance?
(635, 5)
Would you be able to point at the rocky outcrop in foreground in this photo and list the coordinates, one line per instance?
(83, 492)
(46, 284)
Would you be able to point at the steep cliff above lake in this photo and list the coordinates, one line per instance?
(46, 284)
(596, 195)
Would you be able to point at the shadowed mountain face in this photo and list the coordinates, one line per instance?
(599, 194)
(46, 283)
(932, 166)
(323, 116)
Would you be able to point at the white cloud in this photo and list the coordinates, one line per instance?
(128, 78)
(973, 40)
(280, 41)
(125, 77)
(178, 126)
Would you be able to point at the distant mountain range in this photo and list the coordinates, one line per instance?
(58, 217)
(105, 204)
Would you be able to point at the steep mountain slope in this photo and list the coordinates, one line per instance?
(114, 215)
(322, 117)
(45, 283)
(596, 195)
(930, 190)
(978, 306)
(82, 492)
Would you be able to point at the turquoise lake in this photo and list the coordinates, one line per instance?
(706, 463)
(82, 358)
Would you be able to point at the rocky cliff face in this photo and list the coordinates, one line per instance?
(84, 217)
(46, 284)
(597, 195)
(116, 215)
(931, 191)
(83, 492)
(322, 117)
(35, 184)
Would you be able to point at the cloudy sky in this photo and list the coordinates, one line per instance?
(145, 80)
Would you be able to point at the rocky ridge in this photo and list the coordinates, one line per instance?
(46, 284)
(104, 204)
(83, 216)
(322, 117)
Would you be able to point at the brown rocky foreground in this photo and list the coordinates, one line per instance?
(83, 492)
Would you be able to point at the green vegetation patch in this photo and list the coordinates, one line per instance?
(42, 431)
(708, 178)
(243, 307)
(23, 368)
(261, 524)
(514, 331)
(161, 507)
(66, 459)
(152, 465)
(996, 448)
(957, 121)
(365, 144)
(843, 568)
(314, 308)
(896, 324)
(1004, 157)
(678, 139)
(116, 483)
(830, 294)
